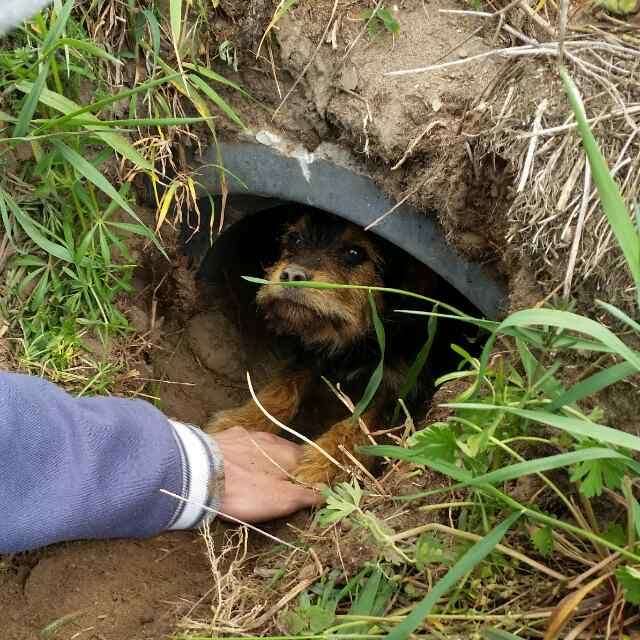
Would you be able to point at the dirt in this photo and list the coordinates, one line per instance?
(418, 137)
(416, 134)
(104, 590)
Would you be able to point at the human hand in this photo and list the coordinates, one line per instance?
(256, 489)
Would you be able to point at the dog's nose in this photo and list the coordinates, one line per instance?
(294, 273)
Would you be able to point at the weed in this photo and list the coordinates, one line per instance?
(66, 206)
(517, 419)
(380, 19)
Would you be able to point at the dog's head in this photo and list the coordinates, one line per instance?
(322, 250)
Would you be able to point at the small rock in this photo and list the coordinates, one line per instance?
(218, 345)
(349, 78)
(473, 241)
(23, 151)
(139, 319)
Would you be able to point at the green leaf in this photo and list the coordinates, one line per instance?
(591, 385)
(593, 476)
(542, 539)
(31, 229)
(215, 97)
(615, 534)
(319, 618)
(31, 102)
(175, 18)
(612, 202)
(472, 558)
(376, 377)
(437, 442)
(576, 426)
(619, 314)
(591, 456)
(62, 104)
(89, 47)
(154, 30)
(429, 550)
(216, 77)
(372, 599)
(421, 359)
(71, 110)
(575, 323)
(363, 605)
(629, 579)
(401, 453)
(86, 169)
(342, 501)
(632, 506)
(380, 18)
(33, 96)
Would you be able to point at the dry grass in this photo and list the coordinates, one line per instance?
(555, 219)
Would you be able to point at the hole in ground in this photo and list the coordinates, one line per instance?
(232, 335)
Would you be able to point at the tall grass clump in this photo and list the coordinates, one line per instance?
(544, 521)
(68, 159)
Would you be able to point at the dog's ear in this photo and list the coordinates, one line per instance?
(418, 278)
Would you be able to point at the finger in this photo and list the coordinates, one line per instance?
(259, 451)
(262, 498)
(302, 497)
(283, 453)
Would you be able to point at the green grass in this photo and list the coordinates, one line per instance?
(516, 418)
(66, 165)
(70, 218)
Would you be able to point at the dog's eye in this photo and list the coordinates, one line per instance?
(355, 255)
(294, 241)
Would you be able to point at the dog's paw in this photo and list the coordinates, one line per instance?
(316, 469)
(222, 421)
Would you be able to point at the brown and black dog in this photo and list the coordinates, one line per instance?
(333, 333)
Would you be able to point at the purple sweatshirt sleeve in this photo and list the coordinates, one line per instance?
(77, 468)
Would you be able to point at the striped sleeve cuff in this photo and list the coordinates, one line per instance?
(202, 477)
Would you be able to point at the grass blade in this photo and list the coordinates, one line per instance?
(619, 314)
(31, 101)
(62, 104)
(403, 453)
(175, 20)
(421, 359)
(591, 385)
(548, 463)
(86, 169)
(216, 77)
(376, 377)
(467, 563)
(154, 30)
(610, 197)
(31, 229)
(215, 97)
(76, 110)
(576, 426)
(89, 47)
(575, 323)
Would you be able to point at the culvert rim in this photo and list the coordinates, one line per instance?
(262, 170)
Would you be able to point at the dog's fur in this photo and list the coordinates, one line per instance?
(332, 333)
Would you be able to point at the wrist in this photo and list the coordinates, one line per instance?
(202, 477)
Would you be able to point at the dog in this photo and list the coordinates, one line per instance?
(331, 334)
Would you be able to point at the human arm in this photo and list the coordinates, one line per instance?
(77, 468)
